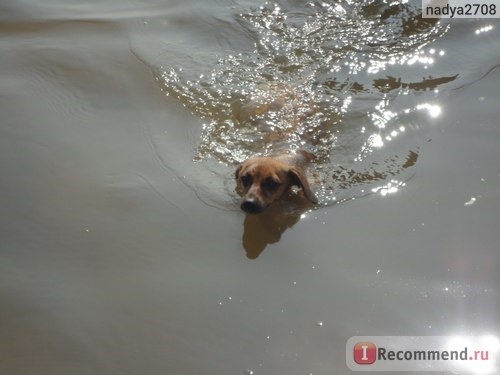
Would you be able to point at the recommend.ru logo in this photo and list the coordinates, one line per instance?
(424, 353)
(365, 353)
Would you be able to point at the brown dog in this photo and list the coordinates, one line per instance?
(262, 180)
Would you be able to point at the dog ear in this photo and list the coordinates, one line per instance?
(237, 171)
(300, 179)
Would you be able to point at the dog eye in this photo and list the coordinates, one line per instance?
(270, 184)
(246, 180)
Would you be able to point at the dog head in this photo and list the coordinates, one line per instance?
(263, 180)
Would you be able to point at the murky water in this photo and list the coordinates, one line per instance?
(315, 78)
(121, 248)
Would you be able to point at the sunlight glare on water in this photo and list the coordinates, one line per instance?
(318, 79)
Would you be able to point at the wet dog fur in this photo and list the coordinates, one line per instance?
(263, 180)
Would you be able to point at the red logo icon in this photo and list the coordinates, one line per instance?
(365, 353)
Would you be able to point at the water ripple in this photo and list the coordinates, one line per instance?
(317, 78)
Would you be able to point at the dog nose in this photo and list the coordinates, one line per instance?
(250, 206)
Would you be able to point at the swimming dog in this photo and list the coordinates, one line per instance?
(261, 180)
(265, 179)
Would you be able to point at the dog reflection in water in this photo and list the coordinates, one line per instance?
(267, 227)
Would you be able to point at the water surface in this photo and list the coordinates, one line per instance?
(121, 248)
(349, 82)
